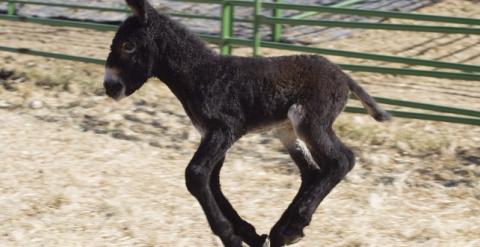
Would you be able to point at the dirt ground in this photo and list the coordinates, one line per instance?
(77, 169)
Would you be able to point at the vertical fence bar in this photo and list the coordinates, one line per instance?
(257, 36)
(231, 25)
(11, 8)
(227, 27)
(127, 8)
(277, 28)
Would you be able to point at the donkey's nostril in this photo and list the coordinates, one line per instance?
(112, 88)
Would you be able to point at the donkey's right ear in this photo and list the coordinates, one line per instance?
(139, 8)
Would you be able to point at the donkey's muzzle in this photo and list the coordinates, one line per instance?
(113, 89)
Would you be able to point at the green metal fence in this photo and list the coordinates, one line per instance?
(227, 41)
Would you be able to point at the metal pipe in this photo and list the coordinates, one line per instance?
(11, 7)
(372, 56)
(422, 116)
(369, 25)
(277, 28)
(227, 29)
(257, 36)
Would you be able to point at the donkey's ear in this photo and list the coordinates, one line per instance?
(139, 8)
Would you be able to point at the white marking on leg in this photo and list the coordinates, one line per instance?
(302, 147)
(267, 242)
(296, 114)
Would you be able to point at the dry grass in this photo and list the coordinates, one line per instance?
(89, 189)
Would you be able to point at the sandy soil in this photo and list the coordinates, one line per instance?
(77, 169)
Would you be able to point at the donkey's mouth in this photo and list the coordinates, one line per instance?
(116, 92)
(119, 96)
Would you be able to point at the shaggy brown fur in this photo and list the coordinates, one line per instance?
(226, 97)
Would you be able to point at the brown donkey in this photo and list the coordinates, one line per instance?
(226, 97)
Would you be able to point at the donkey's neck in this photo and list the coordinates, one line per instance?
(182, 56)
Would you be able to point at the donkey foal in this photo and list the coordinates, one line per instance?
(226, 97)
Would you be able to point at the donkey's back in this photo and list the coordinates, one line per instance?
(266, 88)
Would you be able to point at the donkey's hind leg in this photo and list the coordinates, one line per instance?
(241, 227)
(335, 161)
(299, 153)
(309, 170)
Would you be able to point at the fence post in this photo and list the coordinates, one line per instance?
(277, 28)
(11, 9)
(227, 27)
(257, 36)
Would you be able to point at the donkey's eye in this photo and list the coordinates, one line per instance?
(129, 47)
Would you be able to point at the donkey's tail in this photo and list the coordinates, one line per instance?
(368, 102)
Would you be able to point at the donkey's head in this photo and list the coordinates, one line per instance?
(131, 59)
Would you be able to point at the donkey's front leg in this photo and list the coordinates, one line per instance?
(212, 149)
(241, 227)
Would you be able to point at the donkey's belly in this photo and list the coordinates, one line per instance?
(269, 126)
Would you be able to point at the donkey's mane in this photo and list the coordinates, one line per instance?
(181, 52)
(179, 36)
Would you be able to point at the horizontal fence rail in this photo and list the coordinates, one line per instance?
(369, 25)
(374, 13)
(412, 72)
(68, 5)
(371, 56)
(347, 11)
(85, 25)
(53, 55)
(65, 23)
(430, 107)
(358, 68)
(109, 9)
(227, 39)
(373, 69)
(422, 116)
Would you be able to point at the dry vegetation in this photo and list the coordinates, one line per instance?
(77, 169)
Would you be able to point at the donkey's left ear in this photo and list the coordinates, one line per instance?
(139, 8)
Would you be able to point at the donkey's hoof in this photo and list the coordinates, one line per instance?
(293, 235)
(232, 241)
(286, 237)
(288, 240)
(266, 242)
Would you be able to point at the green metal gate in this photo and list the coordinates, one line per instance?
(227, 42)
